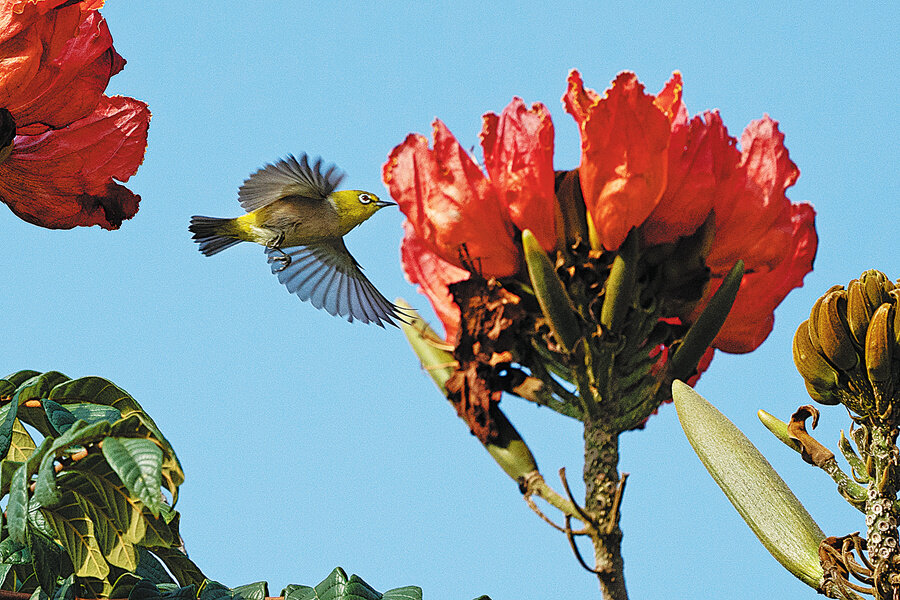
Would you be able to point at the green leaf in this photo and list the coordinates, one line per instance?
(95, 390)
(39, 386)
(80, 433)
(409, 592)
(139, 425)
(138, 463)
(7, 422)
(10, 383)
(60, 418)
(150, 569)
(14, 553)
(22, 443)
(338, 587)
(76, 533)
(179, 565)
(7, 469)
(93, 413)
(213, 590)
(5, 569)
(17, 505)
(252, 591)
(46, 492)
(94, 481)
(50, 562)
(111, 536)
(95, 588)
(147, 590)
(66, 590)
(760, 496)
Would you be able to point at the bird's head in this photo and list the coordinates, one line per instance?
(355, 206)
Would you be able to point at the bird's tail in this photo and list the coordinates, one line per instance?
(213, 234)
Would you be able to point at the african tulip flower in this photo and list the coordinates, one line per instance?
(66, 144)
(460, 217)
(645, 165)
(674, 241)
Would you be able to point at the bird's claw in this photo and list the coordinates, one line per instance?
(284, 259)
(275, 244)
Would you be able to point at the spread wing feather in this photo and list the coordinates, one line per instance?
(289, 177)
(326, 275)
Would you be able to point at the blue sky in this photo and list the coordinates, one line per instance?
(309, 442)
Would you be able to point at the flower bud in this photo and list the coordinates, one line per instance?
(551, 295)
(864, 295)
(819, 375)
(833, 332)
(879, 349)
(858, 311)
(877, 287)
(814, 317)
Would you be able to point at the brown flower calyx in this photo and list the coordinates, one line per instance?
(811, 450)
(493, 323)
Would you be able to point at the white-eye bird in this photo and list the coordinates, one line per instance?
(294, 211)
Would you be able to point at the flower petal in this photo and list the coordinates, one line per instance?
(76, 59)
(64, 178)
(451, 204)
(624, 154)
(670, 100)
(518, 155)
(755, 224)
(433, 274)
(751, 318)
(18, 15)
(703, 160)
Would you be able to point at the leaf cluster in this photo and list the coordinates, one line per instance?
(90, 485)
(85, 472)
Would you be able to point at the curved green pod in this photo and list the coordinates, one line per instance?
(758, 493)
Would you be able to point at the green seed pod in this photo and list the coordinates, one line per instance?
(510, 450)
(879, 349)
(551, 295)
(833, 333)
(437, 362)
(816, 371)
(760, 496)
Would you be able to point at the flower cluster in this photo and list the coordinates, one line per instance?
(677, 193)
(64, 144)
(645, 164)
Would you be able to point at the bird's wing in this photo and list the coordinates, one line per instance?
(288, 177)
(329, 277)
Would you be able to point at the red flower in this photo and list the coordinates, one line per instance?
(433, 275)
(645, 165)
(71, 142)
(457, 216)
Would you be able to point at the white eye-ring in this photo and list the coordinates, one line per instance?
(365, 198)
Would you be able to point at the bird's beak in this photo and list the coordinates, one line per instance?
(383, 203)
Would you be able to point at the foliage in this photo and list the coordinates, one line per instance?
(90, 508)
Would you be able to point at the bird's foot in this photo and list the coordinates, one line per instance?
(284, 259)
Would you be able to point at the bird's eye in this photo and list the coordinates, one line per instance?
(365, 198)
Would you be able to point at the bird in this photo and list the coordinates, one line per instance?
(296, 214)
